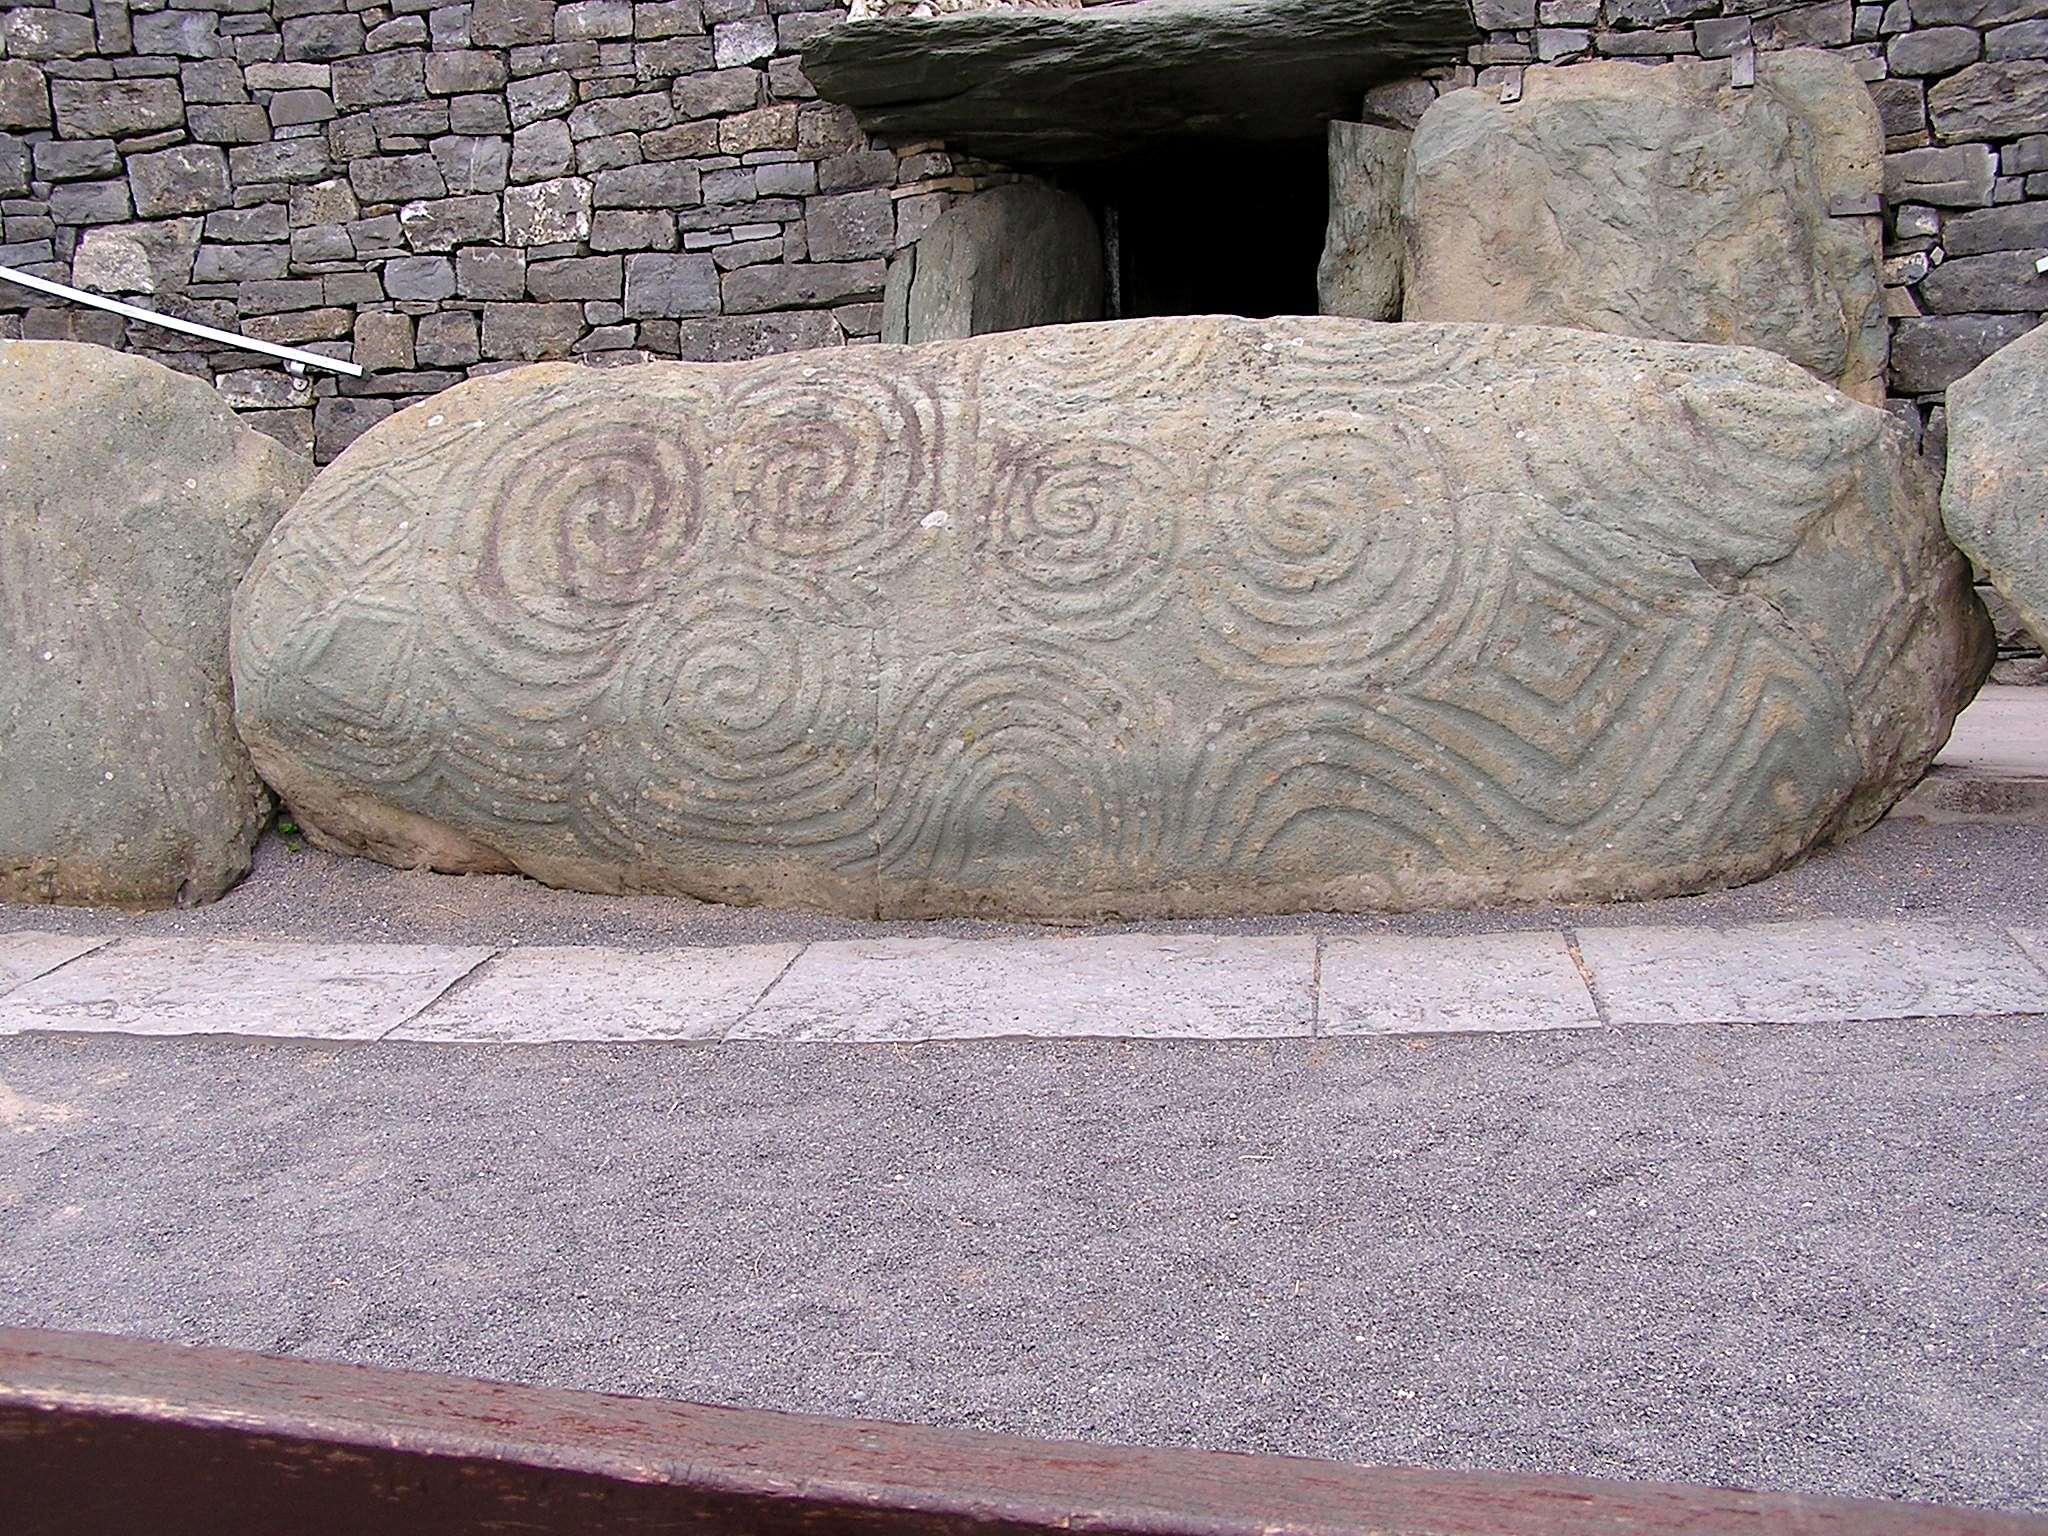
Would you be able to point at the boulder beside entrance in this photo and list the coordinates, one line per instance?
(131, 503)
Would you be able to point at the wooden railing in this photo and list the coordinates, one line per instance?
(103, 1436)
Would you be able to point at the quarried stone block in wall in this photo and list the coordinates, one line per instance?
(1192, 617)
(1661, 201)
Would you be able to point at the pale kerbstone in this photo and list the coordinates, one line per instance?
(584, 993)
(1810, 973)
(240, 987)
(1138, 986)
(28, 954)
(1494, 982)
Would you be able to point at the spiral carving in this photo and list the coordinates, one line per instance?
(833, 469)
(573, 525)
(1342, 556)
(1081, 531)
(741, 712)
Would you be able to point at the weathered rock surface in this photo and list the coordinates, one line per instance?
(131, 503)
(1056, 87)
(1660, 201)
(1191, 616)
(1360, 272)
(1995, 497)
(1013, 257)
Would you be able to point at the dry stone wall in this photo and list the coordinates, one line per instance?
(440, 190)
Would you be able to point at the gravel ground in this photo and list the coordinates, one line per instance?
(1803, 1258)
(1811, 1258)
(1900, 868)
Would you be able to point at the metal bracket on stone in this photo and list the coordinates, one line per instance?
(1511, 87)
(1742, 67)
(1854, 205)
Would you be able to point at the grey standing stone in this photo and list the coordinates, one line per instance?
(1016, 256)
(182, 34)
(383, 342)
(507, 23)
(288, 160)
(647, 186)
(614, 229)
(131, 502)
(445, 223)
(33, 32)
(396, 178)
(322, 39)
(1932, 51)
(739, 338)
(339, 420)
(76, 159)
(1995, 497)
(1183, 617)
(1360, 272)
(581, 277)
(380, 78)
(90, 202)
(420, 277)
(541, 96)
(542, 151)
(1660, 201)
(447, 339)
(192, 178)
(2016, 227)
(259, 222)
(485, 273)
(801, 285)
(472, 164)
(855, 224)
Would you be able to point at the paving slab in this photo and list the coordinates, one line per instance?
(1141, 986)
(1995, 766)
(239, 987)
(1811, 973)
(1384, 985)
(556, 993)
(28, 954)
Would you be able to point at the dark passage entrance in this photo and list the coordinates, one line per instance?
(1229, 228)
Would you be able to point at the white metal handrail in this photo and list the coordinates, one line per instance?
(294, 359)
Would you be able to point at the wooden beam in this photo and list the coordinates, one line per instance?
(104, 1436)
